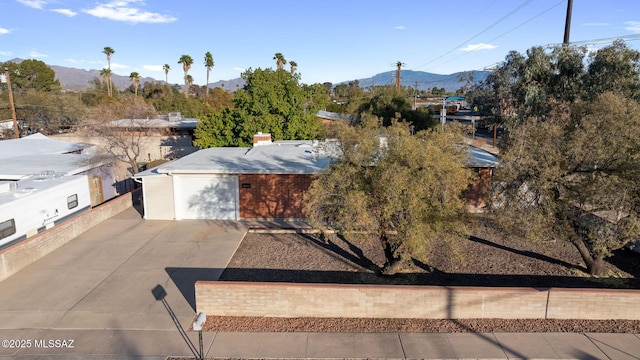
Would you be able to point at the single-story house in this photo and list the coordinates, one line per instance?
(267, 180)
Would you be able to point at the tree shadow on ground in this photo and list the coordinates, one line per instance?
(355, 254)
(531, 254)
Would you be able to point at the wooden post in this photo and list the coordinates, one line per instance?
(13, 108)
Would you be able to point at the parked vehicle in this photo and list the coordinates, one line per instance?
(32, 205)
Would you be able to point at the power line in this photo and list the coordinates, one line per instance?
(511, 30)
(520, 7)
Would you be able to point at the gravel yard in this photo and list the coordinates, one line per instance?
(486, 259)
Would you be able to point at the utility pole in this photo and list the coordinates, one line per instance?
(567, 23)
(13, 108)
(415, 98)
(399, 64)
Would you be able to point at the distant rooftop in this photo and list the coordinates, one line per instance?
(171, 120)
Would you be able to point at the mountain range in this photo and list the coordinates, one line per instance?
(80, 79)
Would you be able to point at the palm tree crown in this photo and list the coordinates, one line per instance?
(135, 81)
(208, 63)
(166, 69)
(280, 60)
(186, 62)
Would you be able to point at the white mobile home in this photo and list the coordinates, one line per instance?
(32, 205)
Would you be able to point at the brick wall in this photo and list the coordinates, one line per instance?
(20, 255)
(272, 196)
(429, 302)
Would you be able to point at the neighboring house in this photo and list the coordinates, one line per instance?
(34, 155)
(265, 181)
(164, 137)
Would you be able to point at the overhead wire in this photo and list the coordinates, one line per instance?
(510, 30)
(512, 12)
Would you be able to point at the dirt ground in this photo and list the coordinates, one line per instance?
(486, 259)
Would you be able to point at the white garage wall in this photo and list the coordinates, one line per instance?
(206, 197)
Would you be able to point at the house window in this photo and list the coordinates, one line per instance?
(72, 201)
(7, 228)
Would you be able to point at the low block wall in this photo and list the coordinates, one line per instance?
(221, 298)
(20, 255)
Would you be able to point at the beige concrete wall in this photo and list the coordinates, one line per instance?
(23, 253)
(427, 302)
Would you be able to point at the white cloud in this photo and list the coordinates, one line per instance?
(35, 54)
(67, 12)
(477, 47)
(36, 4)
(123, 10)
(152, 67)
(633, 26)
(119, 66)
(4, 31)
(239, 69)
(400, 27)
(73, 61)
(6, 53)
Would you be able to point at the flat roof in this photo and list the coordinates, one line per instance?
(280, 157)
(34, 145)
(34, 154)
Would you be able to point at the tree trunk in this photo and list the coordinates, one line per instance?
(595, 264)
(392, 263)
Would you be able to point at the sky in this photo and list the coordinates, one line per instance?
(330, 40)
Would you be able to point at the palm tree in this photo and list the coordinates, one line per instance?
(208, 63)
(135, 81)
(186, 62)
(166, 69)
(109, 51)
(106, 77)
(294, 66)
(280, 61)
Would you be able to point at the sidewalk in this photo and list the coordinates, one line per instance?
(159, 344)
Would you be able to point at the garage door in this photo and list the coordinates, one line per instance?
(206, 197)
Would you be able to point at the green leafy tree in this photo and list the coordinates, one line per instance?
(135, 81)
(208, 63)
(271, 101)
(186, 62)
(404, 193)
(388, 105)
(574, 177)
(569, 164)
(31, 75)
(614, 68)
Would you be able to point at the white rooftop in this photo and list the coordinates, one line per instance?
(35, 144)
(280, 157)
(33, 154)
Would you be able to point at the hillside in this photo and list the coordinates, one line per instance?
(80, 79)
(423, 80)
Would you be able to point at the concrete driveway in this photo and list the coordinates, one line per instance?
(106, 286)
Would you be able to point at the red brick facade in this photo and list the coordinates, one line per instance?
(476, 193)
(272, 196)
